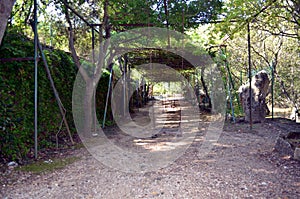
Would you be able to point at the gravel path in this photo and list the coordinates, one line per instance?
(241, 165)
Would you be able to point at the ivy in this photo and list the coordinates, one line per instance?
(17, 97)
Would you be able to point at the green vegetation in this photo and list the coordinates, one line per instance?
(275, 45)
(168, 88)
(48, 165)
(17, 98)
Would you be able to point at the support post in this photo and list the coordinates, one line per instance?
(35, 82)
(137, 83)
(249, 62)
(231, 84)
(61, 108)
(272, 90)
(124, 89)
(95, 90)
(241, 77)
(230, 99)
(107, 95)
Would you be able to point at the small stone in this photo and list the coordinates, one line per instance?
(12, 164)
(297, 153)
(48, 161)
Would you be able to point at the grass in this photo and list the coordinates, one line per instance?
(46, 166)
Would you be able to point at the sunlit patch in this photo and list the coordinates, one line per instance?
(222, 145)
(263, 171)
(287, 157)
(204, 161)
(297, 184)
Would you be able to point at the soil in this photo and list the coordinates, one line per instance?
(242, 164)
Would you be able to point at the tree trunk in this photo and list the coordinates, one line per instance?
(205, 88)
(90, 117)
(5, 10)
(88, 109)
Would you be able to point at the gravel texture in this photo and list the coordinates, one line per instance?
(242, 164)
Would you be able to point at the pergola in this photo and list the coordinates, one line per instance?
(150, 56)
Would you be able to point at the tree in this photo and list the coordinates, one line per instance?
(90, 74)
(279, 18)
(275, 43)
(5, 11)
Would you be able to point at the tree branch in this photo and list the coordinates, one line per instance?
(280, 33)
(71, 45)
(260, 55)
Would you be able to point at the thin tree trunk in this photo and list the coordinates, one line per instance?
(90, 88)
(205, 88)
(5, 11)
(88, 107)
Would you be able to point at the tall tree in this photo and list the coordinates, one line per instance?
(90, 75)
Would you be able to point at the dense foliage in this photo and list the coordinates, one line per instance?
(17, 97)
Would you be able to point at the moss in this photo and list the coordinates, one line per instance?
(46, 166)
(78, 146)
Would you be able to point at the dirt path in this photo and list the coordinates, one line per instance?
(242, 164)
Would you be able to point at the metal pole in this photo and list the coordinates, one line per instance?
(272, 90)
(250, 86)
(95, 90)
(230, 98)
(241, 76)
(124, 90)
(231, 84)
(137, 83)
(107, 96)
(35, 82)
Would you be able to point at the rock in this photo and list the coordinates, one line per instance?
(297, 153)
(283, 147)
(48, 161)
(297, 115)
(259, 90)
(293, 114)
(12, 164)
